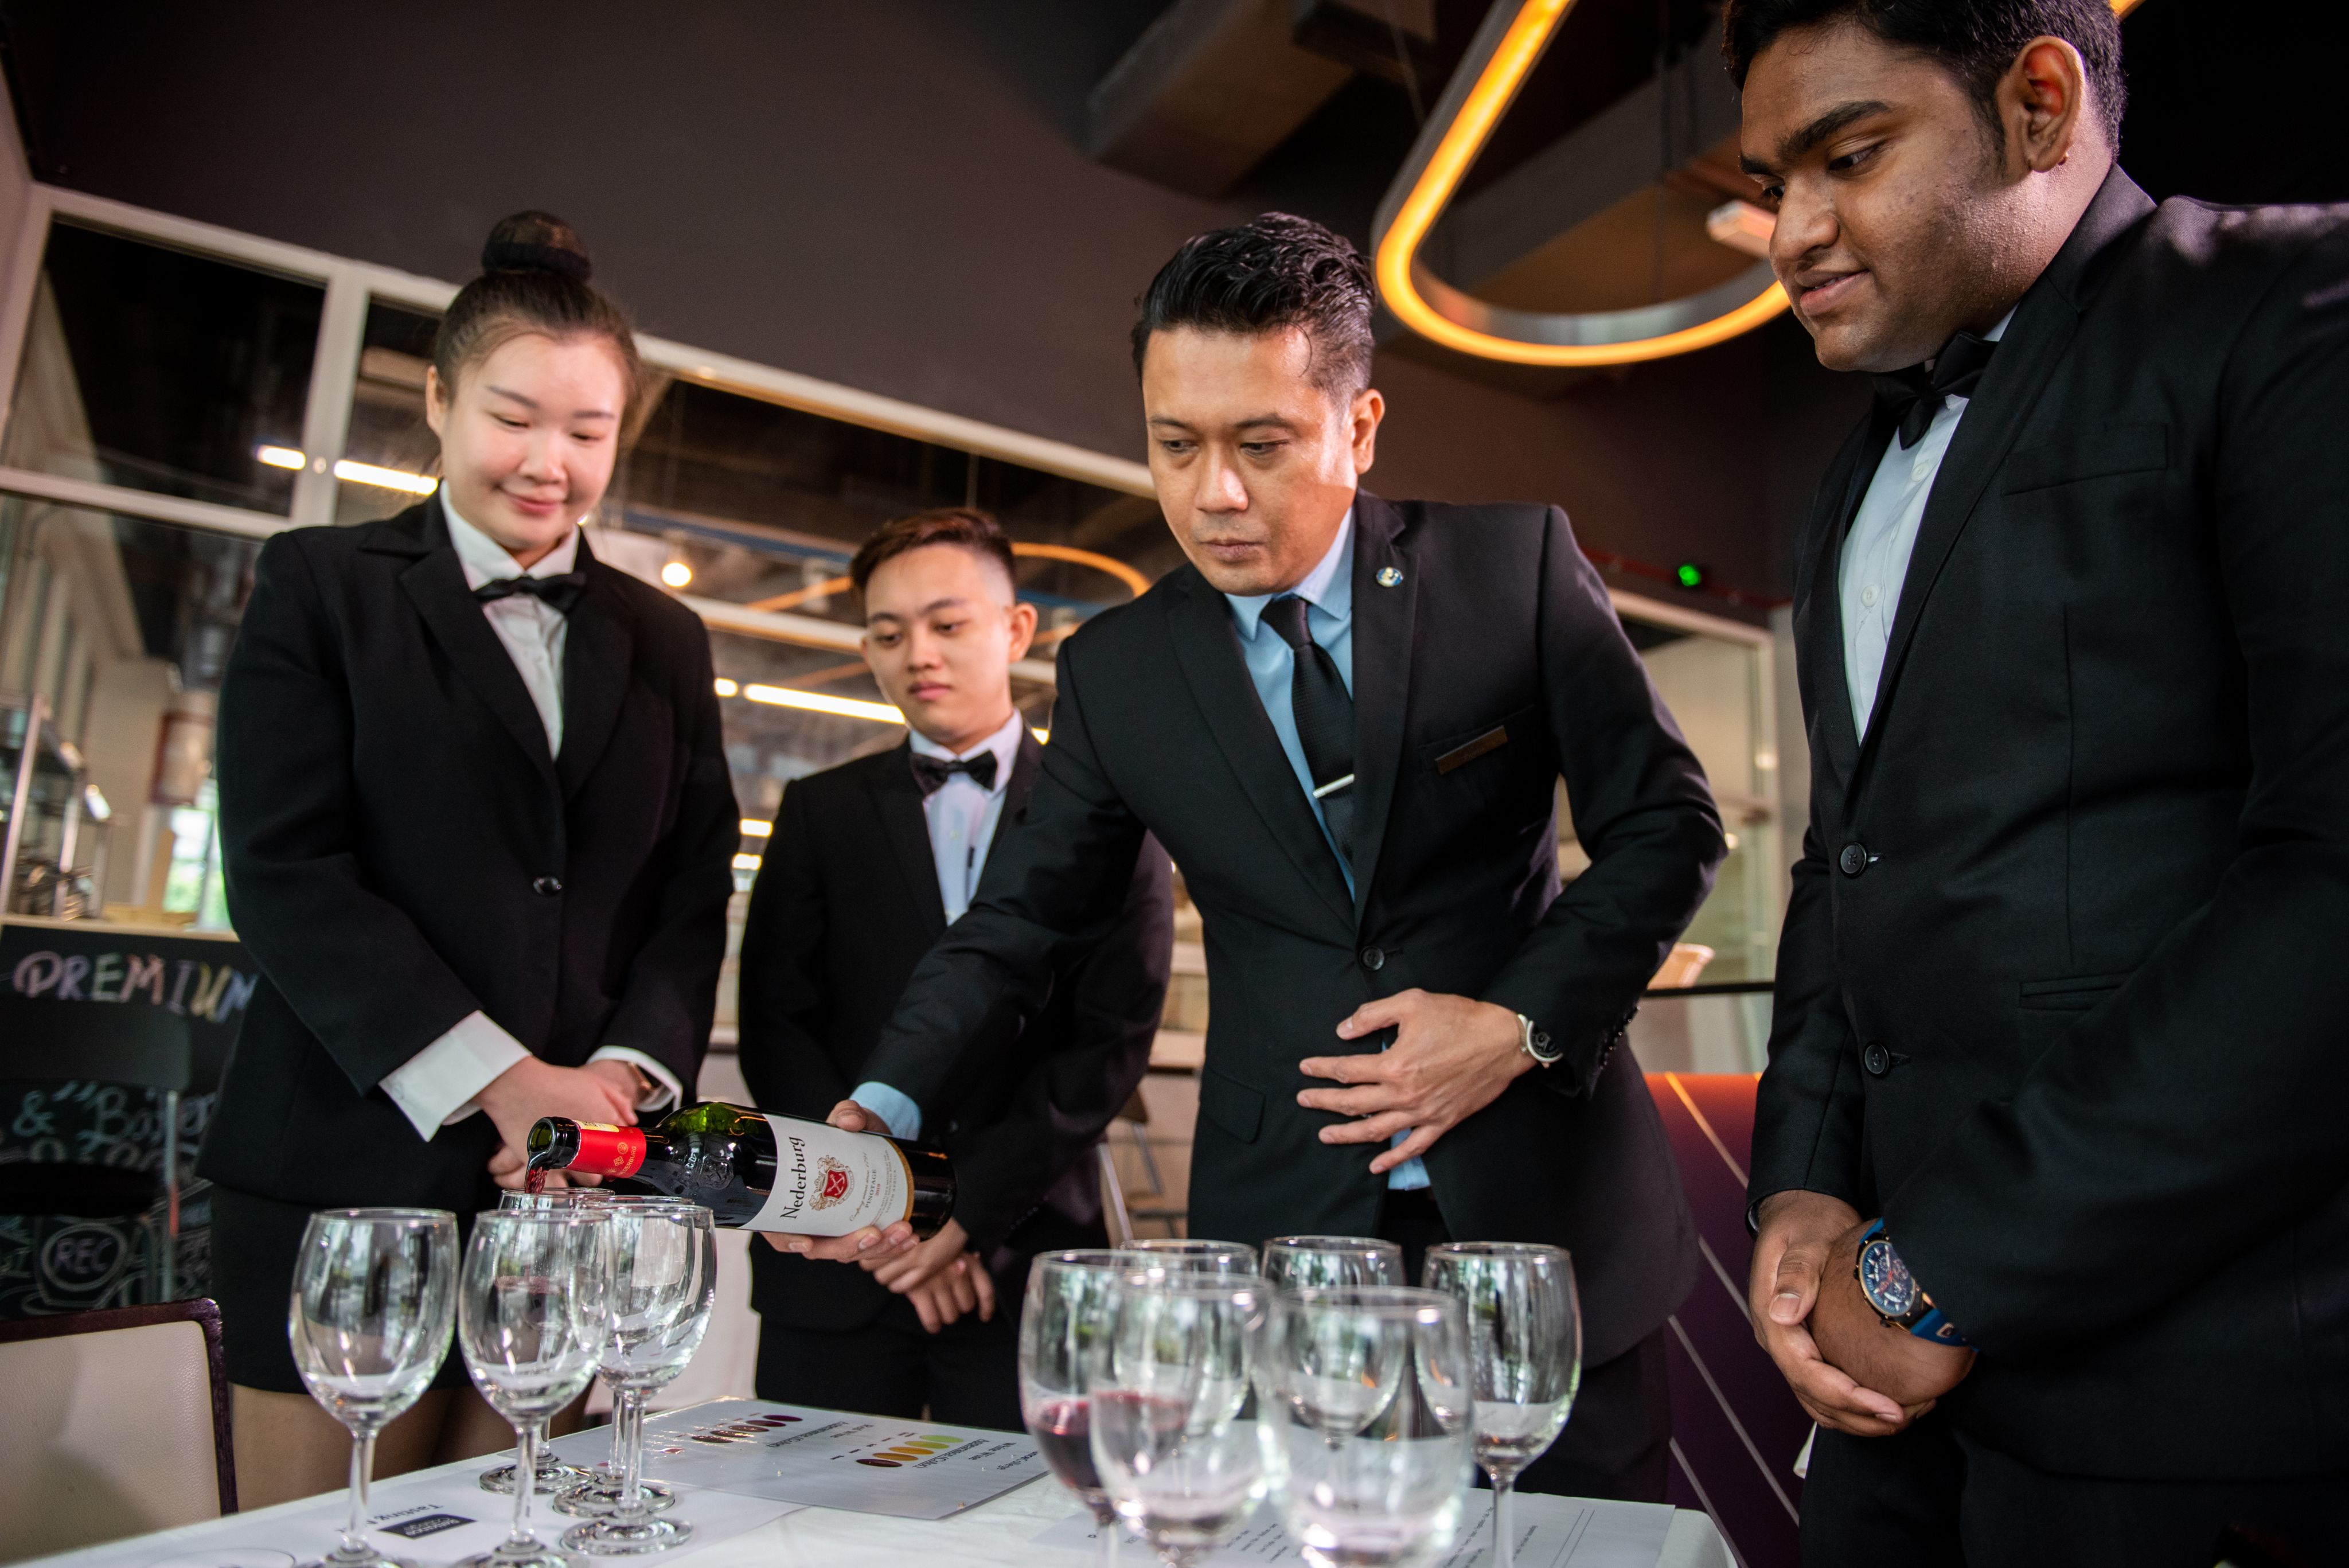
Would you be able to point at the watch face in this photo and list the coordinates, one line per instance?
(1884, 1280)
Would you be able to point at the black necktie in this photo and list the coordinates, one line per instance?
(932, 773)
(1324, 710)
(562, 590)
(1914, 395)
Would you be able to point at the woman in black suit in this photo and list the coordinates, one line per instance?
(477, 825)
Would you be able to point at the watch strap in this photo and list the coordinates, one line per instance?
(1535, 1042)
(1924, 1319)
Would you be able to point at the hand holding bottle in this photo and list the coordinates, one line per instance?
(531, 1088)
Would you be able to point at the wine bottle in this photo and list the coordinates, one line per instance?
(758, 1172)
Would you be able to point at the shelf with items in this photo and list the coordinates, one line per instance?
(55, 820)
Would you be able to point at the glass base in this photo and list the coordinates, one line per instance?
(532, 1553)
(627, 1537)
(365, 1557)
(555, 1478)
(603, 1495)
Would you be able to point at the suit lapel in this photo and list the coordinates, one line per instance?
(436, 585)
(1823, 632)
(1207, 651)
(2032, 345)
(1383, 649)
(897, 805)
(1027, 764)
(598, 652)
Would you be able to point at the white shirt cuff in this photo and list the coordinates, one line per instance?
(664, 1092)
(437, 1084)
(899, 1114)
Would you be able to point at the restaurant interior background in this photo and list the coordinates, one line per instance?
(884, 256)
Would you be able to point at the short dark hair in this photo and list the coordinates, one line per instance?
(1976, 40)
(1273, 273)
(967, 527)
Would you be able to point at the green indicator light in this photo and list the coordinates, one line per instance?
(1690, 574)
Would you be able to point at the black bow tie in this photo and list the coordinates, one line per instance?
(562, 590)
(1914, 395)
(932, 773)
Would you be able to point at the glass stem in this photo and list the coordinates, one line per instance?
(619, 1431)
(1505, 1540)
(362, 1461)
(632, 1464)
(526, 1484)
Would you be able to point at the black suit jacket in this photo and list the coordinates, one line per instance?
(401, 850)
(845, 905)
(2053, 993)
(1491, 665)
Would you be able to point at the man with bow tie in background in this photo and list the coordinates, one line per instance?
(868, 863)
(2051, 1192)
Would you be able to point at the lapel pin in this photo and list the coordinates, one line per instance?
(1388, 576)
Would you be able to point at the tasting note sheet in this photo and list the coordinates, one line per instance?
(824, 1458)
(1551, 1531)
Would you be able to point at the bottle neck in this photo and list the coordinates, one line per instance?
(606, 1150)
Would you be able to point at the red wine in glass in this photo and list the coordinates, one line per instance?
(1064, 1432)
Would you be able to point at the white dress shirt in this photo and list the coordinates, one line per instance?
(438, 1085)
(1883, 537)
(962, 819)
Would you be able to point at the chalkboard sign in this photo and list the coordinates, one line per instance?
(70, 1144)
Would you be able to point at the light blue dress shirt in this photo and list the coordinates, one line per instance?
(1328, 591)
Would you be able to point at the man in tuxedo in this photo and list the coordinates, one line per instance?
(1345, 718)
(2053, 1201)
(869, 862)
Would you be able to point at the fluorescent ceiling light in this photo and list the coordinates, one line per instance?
(281, 457)
(746, 863)
(1043, 736)
(356, 472)
(677, 574)
(754, 828)
(726, 688)
(817, 702)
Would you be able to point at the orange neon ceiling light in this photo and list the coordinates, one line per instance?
(1507, 47)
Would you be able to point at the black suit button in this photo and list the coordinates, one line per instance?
(547, 886)
(1853, 859)
(1876, 1059)
(1374, 958)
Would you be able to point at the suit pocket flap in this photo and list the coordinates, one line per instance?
(1492, 739)
(2116, 449)
(2074, 993)
(1234, 1109)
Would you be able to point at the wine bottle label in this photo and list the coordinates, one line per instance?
(606, 1150)
(829, 1182)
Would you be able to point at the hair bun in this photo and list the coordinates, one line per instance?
(537, 242)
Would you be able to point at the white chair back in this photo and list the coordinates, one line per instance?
(117, 1426)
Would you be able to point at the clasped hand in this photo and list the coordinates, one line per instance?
(1849, 1369)
(1452, 1056)
(603, 1091)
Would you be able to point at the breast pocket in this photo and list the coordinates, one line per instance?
(2049, 1008)
(1480, 762)
(2105, 452)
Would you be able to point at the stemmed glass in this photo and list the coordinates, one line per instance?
(375, 1296)
(1169, 1374)
(530, 1318)
(1180, 1254)
(1298, 1263)
(556, 1477)
(660, 1280)
(1059, 1324)
(1361, 1483)
(1525, 1344)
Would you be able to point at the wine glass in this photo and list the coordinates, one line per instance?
(1169, 1374)
(1295, 1263)
(556, 1478)
(1525, 1345)
(375, 1297)
(1367, 1409)
(1180, 1254)
(530, 1319)
(660, 1280)
(600, 1491)
(1061, 1319)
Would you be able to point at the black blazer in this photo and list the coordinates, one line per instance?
(401, 850)
(845, 905)
(2054, 994)
(1492, 664)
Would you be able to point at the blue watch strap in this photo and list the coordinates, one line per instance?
(1932, 1323)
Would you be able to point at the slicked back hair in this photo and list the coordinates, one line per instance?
(1266, 276)
(1975, 40)
(967, 526)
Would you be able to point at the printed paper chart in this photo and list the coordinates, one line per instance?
(1551, 1532)
(823, 1458)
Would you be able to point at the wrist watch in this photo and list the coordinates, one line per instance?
(1899, 1299)
(1534, 1041)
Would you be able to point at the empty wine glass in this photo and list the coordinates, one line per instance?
(375, 1297)
(556, 1478)
(1367, 1412)
(660, 1280)
(1061, 1322)
(1525, 1345)
(600, 1492)
(1181, 1254)
(1297, 1262)
(1170, 1371)
(530, 1319)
